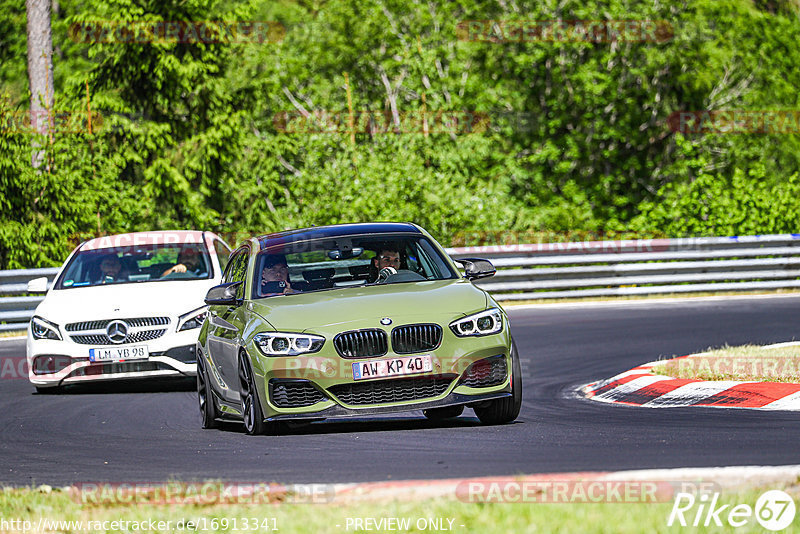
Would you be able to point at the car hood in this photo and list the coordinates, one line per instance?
(363, 307)
(145, 299)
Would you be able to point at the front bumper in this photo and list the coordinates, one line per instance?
(337, 411)
(171, 355)
(330, 375)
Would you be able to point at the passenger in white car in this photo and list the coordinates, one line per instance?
(189, 261)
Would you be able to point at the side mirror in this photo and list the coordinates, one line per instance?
(224, 294)
(38, 285)
(475, 268)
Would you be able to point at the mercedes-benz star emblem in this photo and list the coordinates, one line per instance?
(117, 331)
(386, 321)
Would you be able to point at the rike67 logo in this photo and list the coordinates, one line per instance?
(774, 510)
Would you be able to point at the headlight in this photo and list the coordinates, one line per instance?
(43, 329)
(479, 324)
(286, 344)
(193, 319)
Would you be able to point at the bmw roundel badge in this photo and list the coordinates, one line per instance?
(386, 321)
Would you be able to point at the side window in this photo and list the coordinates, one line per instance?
(223, 253)
(237, 269)
(230, 270)
(432, 262)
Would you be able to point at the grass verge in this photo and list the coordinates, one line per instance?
(744, 363)
(14, 333)
(422, 516)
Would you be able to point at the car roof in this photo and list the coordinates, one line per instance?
(335, 230)
(144, 238)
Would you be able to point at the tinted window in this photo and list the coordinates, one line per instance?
(346, 262)
(136, 264)
(237, 269)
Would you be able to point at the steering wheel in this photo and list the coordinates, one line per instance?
(388, 275)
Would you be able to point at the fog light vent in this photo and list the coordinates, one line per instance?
(485, 373)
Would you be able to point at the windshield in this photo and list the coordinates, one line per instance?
(307, 266)
(139, 263)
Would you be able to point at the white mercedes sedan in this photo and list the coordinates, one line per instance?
(126, 306)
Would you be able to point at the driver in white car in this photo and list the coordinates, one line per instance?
(111, 269)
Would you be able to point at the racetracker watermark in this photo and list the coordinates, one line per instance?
(310, 367)
(756, 366)
(143, 239)
(774, 510)
(14, 368)
(178, 238)
(199, 493)
(577, 491)
(381, 122)
(556, 241)
(56, 122)
(580, 247)
(565, 31)
(182, 31)
(193, 524)
(735, 121)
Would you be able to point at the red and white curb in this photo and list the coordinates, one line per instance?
(640, 387)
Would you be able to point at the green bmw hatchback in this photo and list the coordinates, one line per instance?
(353, 320)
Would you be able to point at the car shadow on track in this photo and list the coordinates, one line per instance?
(161, 385)
(362, 424)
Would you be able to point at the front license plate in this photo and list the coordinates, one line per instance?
(113, 354)
(392, 367)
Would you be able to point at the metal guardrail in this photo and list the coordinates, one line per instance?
(640, 267)
(16, 311)
(567, 270)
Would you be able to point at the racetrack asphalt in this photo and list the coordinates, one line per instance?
(152, 434)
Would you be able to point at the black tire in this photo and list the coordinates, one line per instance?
(447, 412)
(205, 397)
(253, 417)
(505, 410)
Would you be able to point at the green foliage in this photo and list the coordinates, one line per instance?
(44, 213)
(747, 203)
(13, 74)
(576, 140)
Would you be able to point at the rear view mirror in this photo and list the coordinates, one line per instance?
(223, 294)
(345, 252)
(38, 285)
(475, 268)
